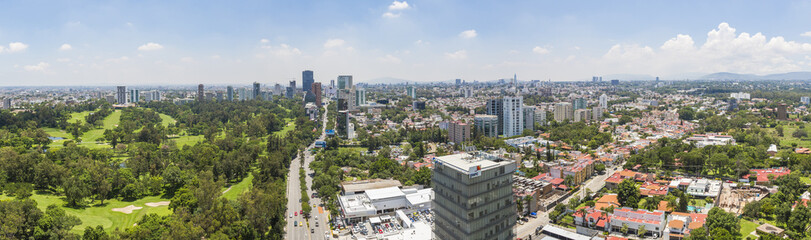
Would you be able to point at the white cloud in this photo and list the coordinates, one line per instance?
(540, 50)
(468, 34)
(150, 47)
(15, 47)
(391, 15)
(806, 34)
(335, 42)
(389, 59)
(65, 47)
(461, 54)
(40, 67)
(283, 50)
(725, 50)
(264, 40)
(396, 5)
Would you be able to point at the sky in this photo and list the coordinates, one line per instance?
(239, 42)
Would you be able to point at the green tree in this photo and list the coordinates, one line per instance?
(642, 231)
(76, 190)
(719, 219)
(628, 193)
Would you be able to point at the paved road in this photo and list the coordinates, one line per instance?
(595, 183)
(308, 231)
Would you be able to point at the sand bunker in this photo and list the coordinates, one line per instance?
(226, 190)
(157, 204)
(127, 209)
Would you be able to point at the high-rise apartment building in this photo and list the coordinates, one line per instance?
(597, 114)
(513, 116)
(781, 112)
(360, 97)
(344, 82)
(135, 95)
(604, 101)
(473, 197)
(495, 107)
(316, 89)
(411, 91)
(487, 125)
(121, 94)
(291, 92)
(540, 116)
(579, 103)
(582, 115)
(563, 111)
(7, 103)
(458, 132)
(529, 117)
(257, 91)
(200, 93)
(230, 93)
(307, 80)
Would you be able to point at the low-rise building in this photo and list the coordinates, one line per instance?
(703, 140)
(356, 208)
(763, 175)
(704, 188)
(680, 224)
(654, 221)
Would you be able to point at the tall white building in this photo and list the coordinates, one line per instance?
(604, 101)
(563, 111)
(360, 97)
(540, 116)
(513, 116)
(411, 91)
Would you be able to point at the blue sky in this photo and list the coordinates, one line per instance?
(239, 42)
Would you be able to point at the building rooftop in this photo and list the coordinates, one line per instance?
(363, 185)
(464, 162)
(383, 193)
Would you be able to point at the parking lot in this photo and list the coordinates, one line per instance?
(392, 227)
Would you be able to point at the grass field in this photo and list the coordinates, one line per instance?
(747, 227)
(166, 120)
(291, 125)
(187, 140)
(806, 180)
(102, 215)
(239, 188)
(79, 116)
(88, 138)
(787, 139)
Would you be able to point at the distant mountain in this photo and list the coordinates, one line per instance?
(778, 76)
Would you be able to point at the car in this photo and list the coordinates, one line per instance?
(312, 230)
(380, 231)
(295, 223)
(291, 215)
(316, 217)
(301, 212)
(295, 213)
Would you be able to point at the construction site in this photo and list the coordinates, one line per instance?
(734, 197)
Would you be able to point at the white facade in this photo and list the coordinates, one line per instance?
(704, 188)
(740, 95)
(513, 116)
(384, 201)
(654, 222)
(604, 101)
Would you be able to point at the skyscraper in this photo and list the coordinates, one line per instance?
(458, 82)
(230, 92)
(604, 101)
(316, 89)
(495, 107)
(781, 112)
(513, 116)
(529, 117)
(581, 115)
(7, 103)
(344, 82)
(487, 125)
(360, 97)
(290, 93)
(257, 91)
(473, 197)
(307, 80)
(458, 132)
(200, 92)
(411, 91)
(135, 95)
(293, 85)
(243, 94)
(121, 94)
(563, 111)
(579, 103)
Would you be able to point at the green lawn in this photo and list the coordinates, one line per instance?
(239, 188)
(166, 120)
(291, 125)
(786, 140)
(88, 138)
(102, 215)
(352, 149)
(187, 140)
(806, 180)
(79, 116)
(748, 227)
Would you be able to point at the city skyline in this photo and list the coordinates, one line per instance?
(183, 43)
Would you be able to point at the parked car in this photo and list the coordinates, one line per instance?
(295, 223)
(291, 215)
(295, 213)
